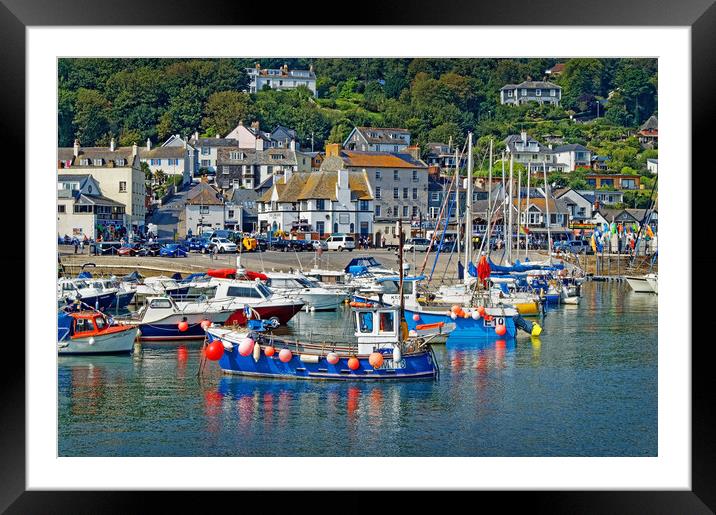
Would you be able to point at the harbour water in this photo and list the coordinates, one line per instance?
(586, 387)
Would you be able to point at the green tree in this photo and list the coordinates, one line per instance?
(225, 109)
(91, 116)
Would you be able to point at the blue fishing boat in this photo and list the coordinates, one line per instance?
(384, 352)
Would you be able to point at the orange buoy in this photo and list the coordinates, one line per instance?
(456, 308)
(375, 359)
(269, 351)
(205, 324)
(353, 363)
(500, 329)
(416, 317)
(214, 351)
(481, 310)
(332, 358)
(183, 326)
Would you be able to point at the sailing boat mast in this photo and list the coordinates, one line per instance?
(546, 203)
(510, 208)
(519, 209)
(468, 204)
(527, 213)
(400, 266)
(489, 202)
(457, 211)
(504, 209)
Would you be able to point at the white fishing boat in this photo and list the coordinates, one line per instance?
(297, 286)
(71, 290)
(90, 332)
(653, 281)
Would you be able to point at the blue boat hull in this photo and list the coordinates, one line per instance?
(101, 302)
(122, 300)
(166, 332)
(464, 327)
(419, 365)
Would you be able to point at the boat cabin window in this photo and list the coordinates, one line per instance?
(393, 287)
(100, 323)
(68, 287)
(365, 321)
(160, 303)
(387, 319)
(242, 291)
(83, 324)
(265, 292)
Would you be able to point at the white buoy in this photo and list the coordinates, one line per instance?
(397, 356)
(257, 352)
(313, 308)
(91, 341)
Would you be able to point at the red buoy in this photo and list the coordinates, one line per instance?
(269, 351)
(205, 324)
(215, 350)
(500, 329)
(353, 363)
(183, 326)
(375, 359)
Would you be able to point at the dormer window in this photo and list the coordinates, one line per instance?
(84, 162)
(120, 162)
(97, 162)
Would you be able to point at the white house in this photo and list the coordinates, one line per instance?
(573, 156)
(531, 153)
(206, 152)
(322, 202)
(280, 78)
(172, 159)
(204, 209)
(82, 210)
(580, 207)
(531, 91)
(652, 165)
(253, 137)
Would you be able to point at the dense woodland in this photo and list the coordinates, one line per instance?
(438, 100)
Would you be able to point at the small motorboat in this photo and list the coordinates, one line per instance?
(162, 318)
(91, 332)
(641, 284)
(297, 286)
(72, 290)
(380, 354)
(255, 294)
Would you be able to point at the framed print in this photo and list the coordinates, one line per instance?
(293, 264)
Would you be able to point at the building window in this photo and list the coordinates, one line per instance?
(203, 210)
(552, 92)
(435, 196)
(320, 204)
(225, 170)
(405, 211)
(320, 228)
(97, 162)
(415, 193)
(205, 151)
(405, 192)
(539, 92)
(205, 163)
(377, 192)
(377, 210)
(395, 193)
(524, 92)
(120, 162)
(122, 186)
(415, 211)
(396, 177)
(84, 162)
(364, 205)
(509, 92)
(61, 208)
(231, 214)
(377, 175)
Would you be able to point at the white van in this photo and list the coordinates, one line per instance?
(339, 241)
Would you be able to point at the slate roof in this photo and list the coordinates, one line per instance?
(317, 185)
(271, 156)
(168, 152)
(651, 124)
(532, 84)
(570, 148)
(383, 135)
(214, 142)
(203, 194)
(109, 157)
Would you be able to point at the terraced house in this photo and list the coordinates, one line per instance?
(399, 182)
(247, 167)
(116, 170)
(322, 202)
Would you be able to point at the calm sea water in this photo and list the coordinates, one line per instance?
(587, 387)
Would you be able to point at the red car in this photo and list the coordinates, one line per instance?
(129, 250)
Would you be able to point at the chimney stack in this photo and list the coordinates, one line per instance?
(149, 144)
(76, 148)
(134, 149)
(333, 149)
(196, 135)
(111, 145)
(255, 125)
(414, 152)
(292, 144)
(523, 134)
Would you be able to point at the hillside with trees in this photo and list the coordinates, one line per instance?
(438, 100)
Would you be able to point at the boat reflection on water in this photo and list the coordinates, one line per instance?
(481, 355)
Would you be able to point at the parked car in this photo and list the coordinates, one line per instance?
(223, 244)
(417, 244)
(151, 249)
(300, 245)
(195, 244)
(131, 249)
(173, 250)
(341, 242)
(278, 244)
(572, 246)
(319, 244)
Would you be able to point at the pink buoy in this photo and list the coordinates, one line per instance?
(285, 356)
(205, 324)
(475, 315)
(416, 317)
(332, 358)
(270, 351)
(246, 347)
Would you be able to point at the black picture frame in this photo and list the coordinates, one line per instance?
(16, 15)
